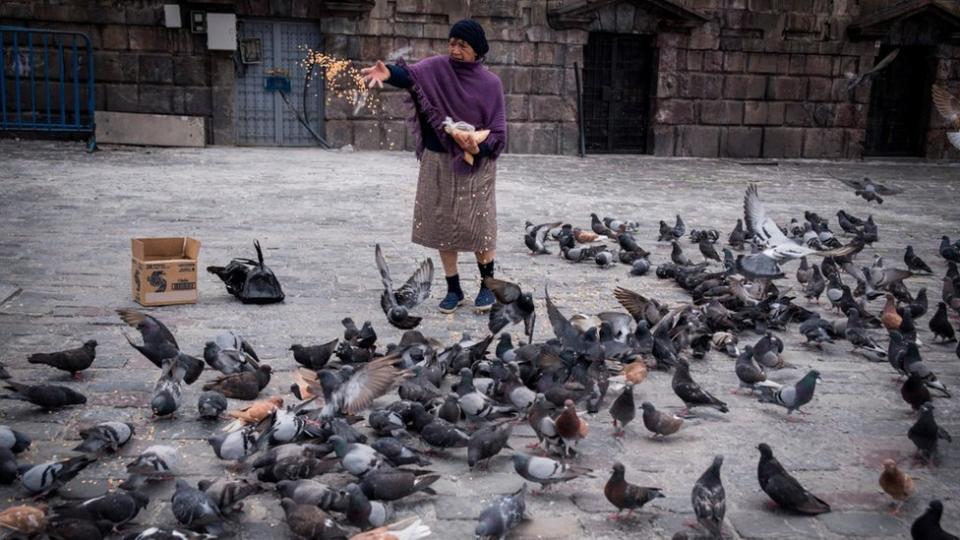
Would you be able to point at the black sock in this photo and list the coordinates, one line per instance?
(453, 284)
(486, 270)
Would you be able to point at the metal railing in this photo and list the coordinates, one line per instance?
(47, 82)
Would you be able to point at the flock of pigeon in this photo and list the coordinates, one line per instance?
(337, 460)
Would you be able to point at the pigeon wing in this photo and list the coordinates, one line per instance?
(635, 303)
(387, 299)
(759, 222)
(417, 287)
(368, 384)
(947, 105)
(562, 328)
(886, 61)
(149, 327)
(504, 291)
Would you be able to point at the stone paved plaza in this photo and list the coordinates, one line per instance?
(67, 218)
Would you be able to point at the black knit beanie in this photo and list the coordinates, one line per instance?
(471, 32)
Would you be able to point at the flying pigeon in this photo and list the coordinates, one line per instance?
(397, 303)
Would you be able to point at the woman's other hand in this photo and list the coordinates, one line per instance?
(375, 74)
(466, 141)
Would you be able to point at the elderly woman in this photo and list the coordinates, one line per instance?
(456, 207)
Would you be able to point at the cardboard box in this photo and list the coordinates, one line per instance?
(164, 270)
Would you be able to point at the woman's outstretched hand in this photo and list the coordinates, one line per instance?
(375, 74)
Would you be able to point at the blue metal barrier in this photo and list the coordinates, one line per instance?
(42, 82)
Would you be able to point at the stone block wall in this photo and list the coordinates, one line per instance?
(765, 79)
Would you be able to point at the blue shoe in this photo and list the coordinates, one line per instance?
(484, 300)
(451, 302)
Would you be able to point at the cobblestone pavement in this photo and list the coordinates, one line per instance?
(67, 217)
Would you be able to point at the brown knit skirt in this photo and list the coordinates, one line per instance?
(454, 212)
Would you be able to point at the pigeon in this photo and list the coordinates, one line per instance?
(437, 432)
(604, 259)
(940, 324)
(211, 404)
(397, 303)
(245, 385)
(391, 484)
(227, 494)
(792, 397)
(108, 435)
(13, 440)
(45, 396)
(411, 528)
(234, 445)
(925, 435)
(856, 79)
(779, 247)
(915, 392)
(487, 442)
(357, 459)
(115, 507)
(364, 513)
(869, 190)
(313, 492)
(623, 410)
(627, 496)
(503, 514)
(640, 267)
(709, 500)
(398, 453)
(599, 228)
(690, 392)
(254, 413)
(512, 306)
(307, 521)
(364, 337)
(158, 342)
(45, 478)
(163, 533)
(783, 488)
(677, 255)
(314, 356)
(915, 263)
(355, 394)
(737, 236)
(815, 285)
(748, 371)
(229, 353)
(155, 462)
(927, 526)
(536, 235)
(194, 509)
(911, 363)
(295, 468)
(949, 109)
(73, 361)
(896, 483)
(9, 470)
(570, 427)
(168, 392)
(546, 471)
(708, 251)
(659, 423)
(25, 520)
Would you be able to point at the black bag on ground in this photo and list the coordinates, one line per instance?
(250, 281)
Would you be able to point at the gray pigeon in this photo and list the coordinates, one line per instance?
(307, 521)
(155, 462)
(313, 492)
(487, 442)
(168, 392)
(13, 440)
(364, 513)
(709, 499)
(748, 370)
(358, 459)
(792, 397)
(227, 494)
(73, 361)
(116, 507)
(211, 404)
(229, 353)
(194, 509)
(159, 343)
(512, 306)
(502, 515)
(397, 303)
(45, 478)
(235, 445)
(105, 436)
(546, 471)
(45, 396)
(535, 236)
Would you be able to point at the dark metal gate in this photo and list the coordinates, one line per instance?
(276, 94)
(900, 103)
(619, 78)
(46, 82)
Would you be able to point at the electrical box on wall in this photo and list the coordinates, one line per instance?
(221, 31)
(198, 22)
(171, 16)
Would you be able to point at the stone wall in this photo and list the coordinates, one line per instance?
(757, 79)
